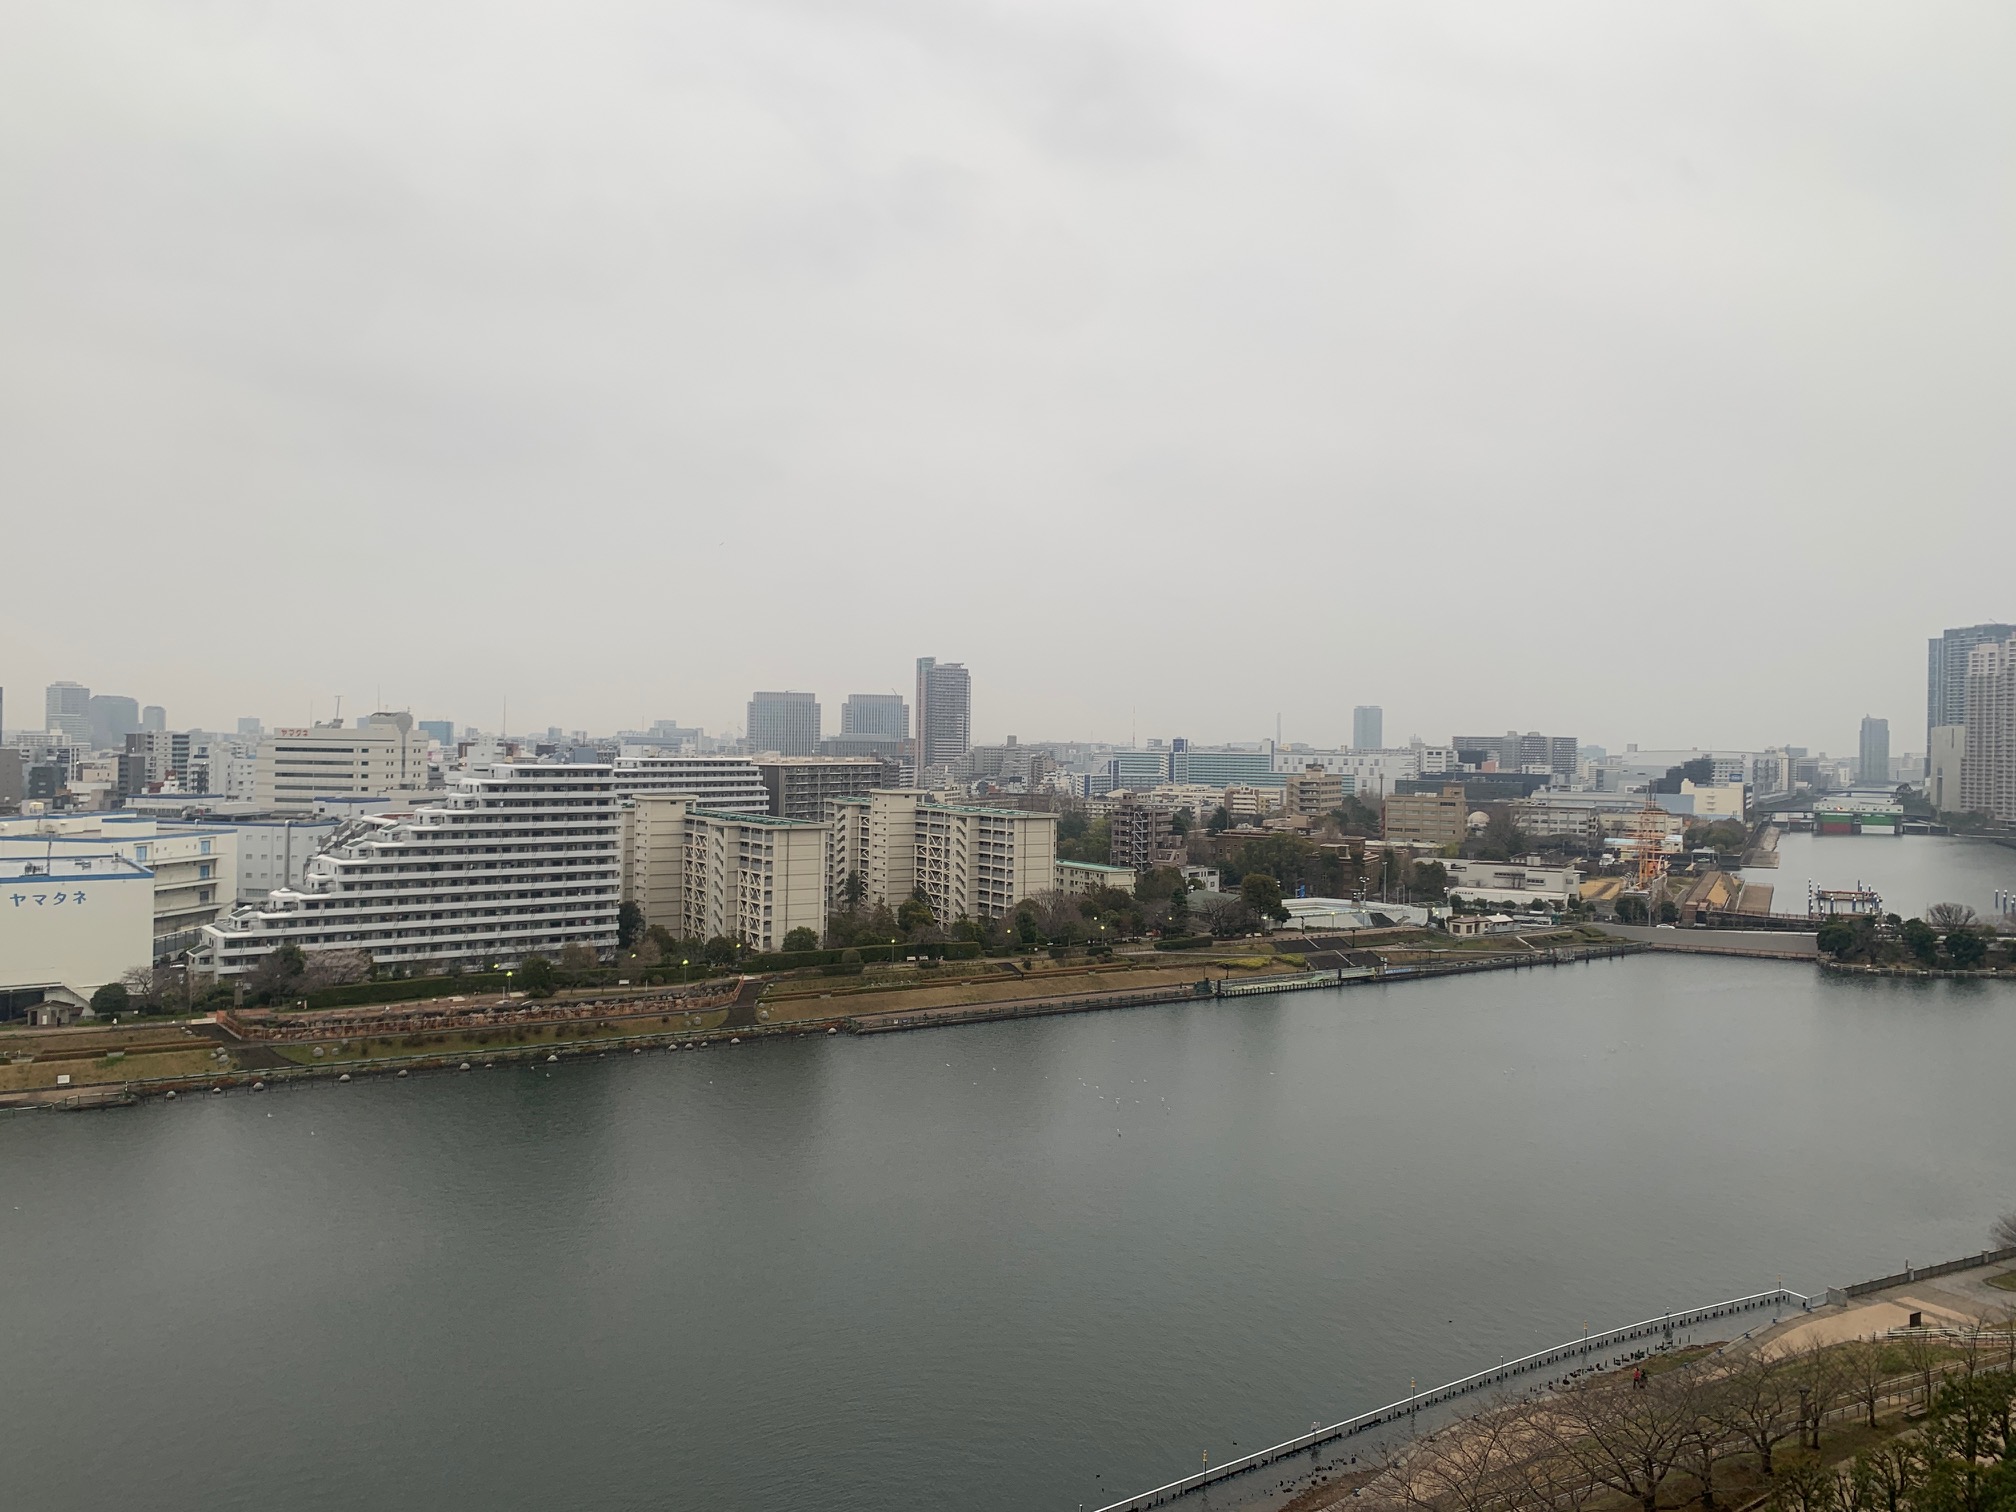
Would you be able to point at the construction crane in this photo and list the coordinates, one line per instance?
(1648, 837)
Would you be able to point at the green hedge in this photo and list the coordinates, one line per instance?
(1184, 942)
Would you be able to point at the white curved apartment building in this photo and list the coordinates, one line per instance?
(515, 860)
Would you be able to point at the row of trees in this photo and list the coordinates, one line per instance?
(1682, 1433)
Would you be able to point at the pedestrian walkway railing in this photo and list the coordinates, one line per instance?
(1590, 1351)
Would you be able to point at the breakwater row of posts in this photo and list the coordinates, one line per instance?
(1592, 1351)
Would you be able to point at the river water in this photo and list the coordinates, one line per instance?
(1912, 872)
(1011, 1266)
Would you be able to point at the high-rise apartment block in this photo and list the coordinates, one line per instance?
(800, 785)
(1368, 728)
(1988, 769)
(944, 712)
(1946, 673)
(515, 860)
(1513, 752)
(727, 784)
(968, 861)
(703, 874)
(1873, 765)
(784, 724)
(1142, 835)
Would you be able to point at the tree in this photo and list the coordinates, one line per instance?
(1181, 821)
(1178, 920)
(335, 968)
(1631, 910)
(1669, 912)
(1920, 939)
(665, 940)
(801, 938)
(1502, 838)
(719, 951)
(577, 963)
(535, 977)
(279, 972)
(1262, 894)
(854, 891)
(1864, 1374)
(1947, 917)
(1761, 1400)
(915, 914)
(1219, 822)
(1028, 931)
(1966, 949)
(629, 925)
(1428, 881)
(1627, 1437)
(2004, 1231)
(1162, 882)
(1837, 937)
(110, 999)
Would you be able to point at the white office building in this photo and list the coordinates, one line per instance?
(516, 860)
(297, 766)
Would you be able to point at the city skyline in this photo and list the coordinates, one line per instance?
(1341, 718)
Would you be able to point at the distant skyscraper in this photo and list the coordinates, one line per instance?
(1874, 765)
(1946, 674)
(154, 718)
(787, 723)
(250, 727)
(439, 730)
(875, 714)
(1368, 728)
(112, 718)
(944, 713)
(1988, 767)
(67, 711)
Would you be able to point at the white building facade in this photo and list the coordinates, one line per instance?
(297, 766)
(519, 860)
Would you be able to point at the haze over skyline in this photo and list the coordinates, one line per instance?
(1633, 374)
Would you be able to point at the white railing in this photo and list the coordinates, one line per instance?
(1575, 1350)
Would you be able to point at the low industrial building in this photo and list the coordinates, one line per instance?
(1512, 882)
(1076, 877)
(72, 919)
(194, 867)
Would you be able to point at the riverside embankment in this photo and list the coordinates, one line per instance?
(263, 1051)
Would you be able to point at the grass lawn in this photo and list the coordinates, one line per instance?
(2006, 1281)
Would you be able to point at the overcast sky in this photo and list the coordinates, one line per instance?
(1641, 372)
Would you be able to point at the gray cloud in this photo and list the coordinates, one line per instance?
(1640, 372)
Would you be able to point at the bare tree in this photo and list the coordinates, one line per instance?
(147, 987)
(1895, 1471)
(1804, 1487)
(1626, 1436)
(1817, 1376)
(1710, 1437)
(2004, 1232)
(1864, 1374)
(1922, 1355)
(1473, 1466)
(1947, 917)
(1762, 1402)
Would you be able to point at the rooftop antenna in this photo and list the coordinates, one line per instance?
(339, 708)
